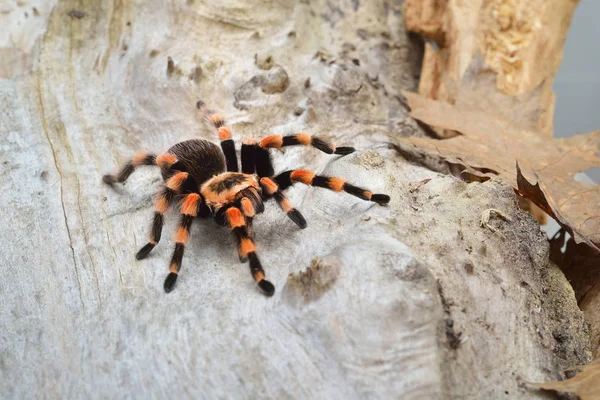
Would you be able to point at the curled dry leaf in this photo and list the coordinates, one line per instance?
(493, 139)
(581, 266)
(536, 194)
(585, 384)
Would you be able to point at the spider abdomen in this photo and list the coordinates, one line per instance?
(200, 158)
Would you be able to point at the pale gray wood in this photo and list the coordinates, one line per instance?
(358, 311)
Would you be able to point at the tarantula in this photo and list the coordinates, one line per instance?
(195, 179)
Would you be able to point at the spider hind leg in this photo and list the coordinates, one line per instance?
(164, 161)
(189, 210)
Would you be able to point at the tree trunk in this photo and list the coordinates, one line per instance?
(411, 300)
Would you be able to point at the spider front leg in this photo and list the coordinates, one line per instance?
(264, 167)
(190, 208)
(165, 198)
(250, 205)
(272, 189)
(288, 178)
(247, 249)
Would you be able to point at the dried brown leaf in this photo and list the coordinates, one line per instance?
(538, 197)
(585, 384)
(497, 138)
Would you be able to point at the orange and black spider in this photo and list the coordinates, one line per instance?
(196, 182)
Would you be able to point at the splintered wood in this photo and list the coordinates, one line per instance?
(520, 40)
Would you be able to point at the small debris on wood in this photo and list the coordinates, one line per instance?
(313, 282)
(276, 81)
(445, 303)
(418, 185)
(170, 66)
(307, 83)
(324, 56)
(454, 339)
(196, 74)
(154, 53)
(264, 63)
(246, 91)
(485, 219)
(363, 34)
(78, 14)
(348, 48)
(469, 268)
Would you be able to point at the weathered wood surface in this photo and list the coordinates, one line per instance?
(364, 294)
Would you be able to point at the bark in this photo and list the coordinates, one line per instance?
(413, 300)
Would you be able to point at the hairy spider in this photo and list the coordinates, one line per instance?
(196, 181)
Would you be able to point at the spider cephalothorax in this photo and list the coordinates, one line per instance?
(203, 181)
(226, 188)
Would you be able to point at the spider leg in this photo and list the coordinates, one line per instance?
(248, 209)
(303, 139)
(189, 210)
(165, 198)
(224, 133)
(249, 157)
(288, 178)
(247, 249)
(272, 189)
(263, 160)
(164, 161)
(250, 204)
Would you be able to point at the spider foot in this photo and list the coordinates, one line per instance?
(297, 218)
(144, 251)
(109, 179)
(267, 287)
(380, 198)
(170, 282)
(344, 150)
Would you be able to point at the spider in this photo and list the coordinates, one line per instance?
(204, 181)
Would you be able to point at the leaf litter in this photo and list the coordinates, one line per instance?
(495, 133)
